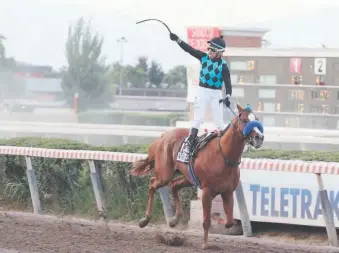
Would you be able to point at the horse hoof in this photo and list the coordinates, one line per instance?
(230, 224)
(204, 246)
(173, 222)
(144, 222)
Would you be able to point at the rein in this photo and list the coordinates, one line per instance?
(226, 160)
(235, 126)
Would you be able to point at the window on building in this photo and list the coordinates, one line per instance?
(269, 121)
(234, 78)
(315, 109)
(269, 107)
(269, 79)
(250, 65)
(319, 95)
(241, 79)
(298, 95)
(239, 65)
(296, 79)
(300, 108)
(322, 109)
(238, 92)
(246, 78)
(292, 122)
(278, 107)
(319, 80)
(266, 93)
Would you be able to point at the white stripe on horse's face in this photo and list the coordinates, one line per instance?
(255, 129)
(251, 116)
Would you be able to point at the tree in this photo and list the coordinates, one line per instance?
(141, 72)
(142, 63)
(135, 75)
(11, 86)
(115, 72)
(2, 51)
(176, 75)
(155, 74)
(86, 74)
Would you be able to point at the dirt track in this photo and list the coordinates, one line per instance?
(28, 233)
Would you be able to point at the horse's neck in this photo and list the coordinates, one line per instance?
(232, 144)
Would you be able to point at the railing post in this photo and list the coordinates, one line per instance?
(33, 187)
(244, 216)
(97, 189)
(327, 213)
(166, 202)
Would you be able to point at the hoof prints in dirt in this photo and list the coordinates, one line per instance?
(171, 239)
(32, 234)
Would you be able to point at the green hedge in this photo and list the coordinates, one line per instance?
(326, 156)
(131, 118)
(65, 185)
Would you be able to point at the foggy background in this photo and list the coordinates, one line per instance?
(35, 39)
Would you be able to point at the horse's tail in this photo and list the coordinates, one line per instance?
(145, 166)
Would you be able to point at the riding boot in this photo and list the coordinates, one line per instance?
(191, 139)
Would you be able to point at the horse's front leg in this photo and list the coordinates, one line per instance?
(228, 203)
(176, 185)
(206, 206)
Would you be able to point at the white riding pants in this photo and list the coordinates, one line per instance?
(208, 97)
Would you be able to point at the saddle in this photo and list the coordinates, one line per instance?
(200, 142)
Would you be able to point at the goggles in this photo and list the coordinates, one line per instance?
(215, 50)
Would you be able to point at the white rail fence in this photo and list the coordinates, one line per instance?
(316, 168)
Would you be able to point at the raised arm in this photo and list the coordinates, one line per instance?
(187, 48)
(227, 80)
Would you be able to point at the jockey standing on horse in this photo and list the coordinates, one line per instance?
(214, 72)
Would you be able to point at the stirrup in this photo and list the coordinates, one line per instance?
(191, 149)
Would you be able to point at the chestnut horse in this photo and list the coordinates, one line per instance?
(213, 168)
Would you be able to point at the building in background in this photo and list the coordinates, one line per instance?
(26, 87)
(41, 83)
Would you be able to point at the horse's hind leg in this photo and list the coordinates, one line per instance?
(176, 185)
(164, 173)
(228, 203)
(154, 184)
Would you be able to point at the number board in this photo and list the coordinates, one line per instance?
(320, 66)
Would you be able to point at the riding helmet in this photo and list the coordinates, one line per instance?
(218, 43)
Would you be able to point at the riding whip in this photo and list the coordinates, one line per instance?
(155, 20)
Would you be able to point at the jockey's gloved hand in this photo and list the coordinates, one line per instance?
(227, 100)
(174, 37)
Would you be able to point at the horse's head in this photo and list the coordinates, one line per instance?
(250, 127)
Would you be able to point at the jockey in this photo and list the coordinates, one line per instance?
(214, 72)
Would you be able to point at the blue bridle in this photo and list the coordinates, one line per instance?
(252, 124)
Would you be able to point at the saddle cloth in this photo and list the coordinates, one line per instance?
(200, 142)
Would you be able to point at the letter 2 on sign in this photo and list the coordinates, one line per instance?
(320, 66)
